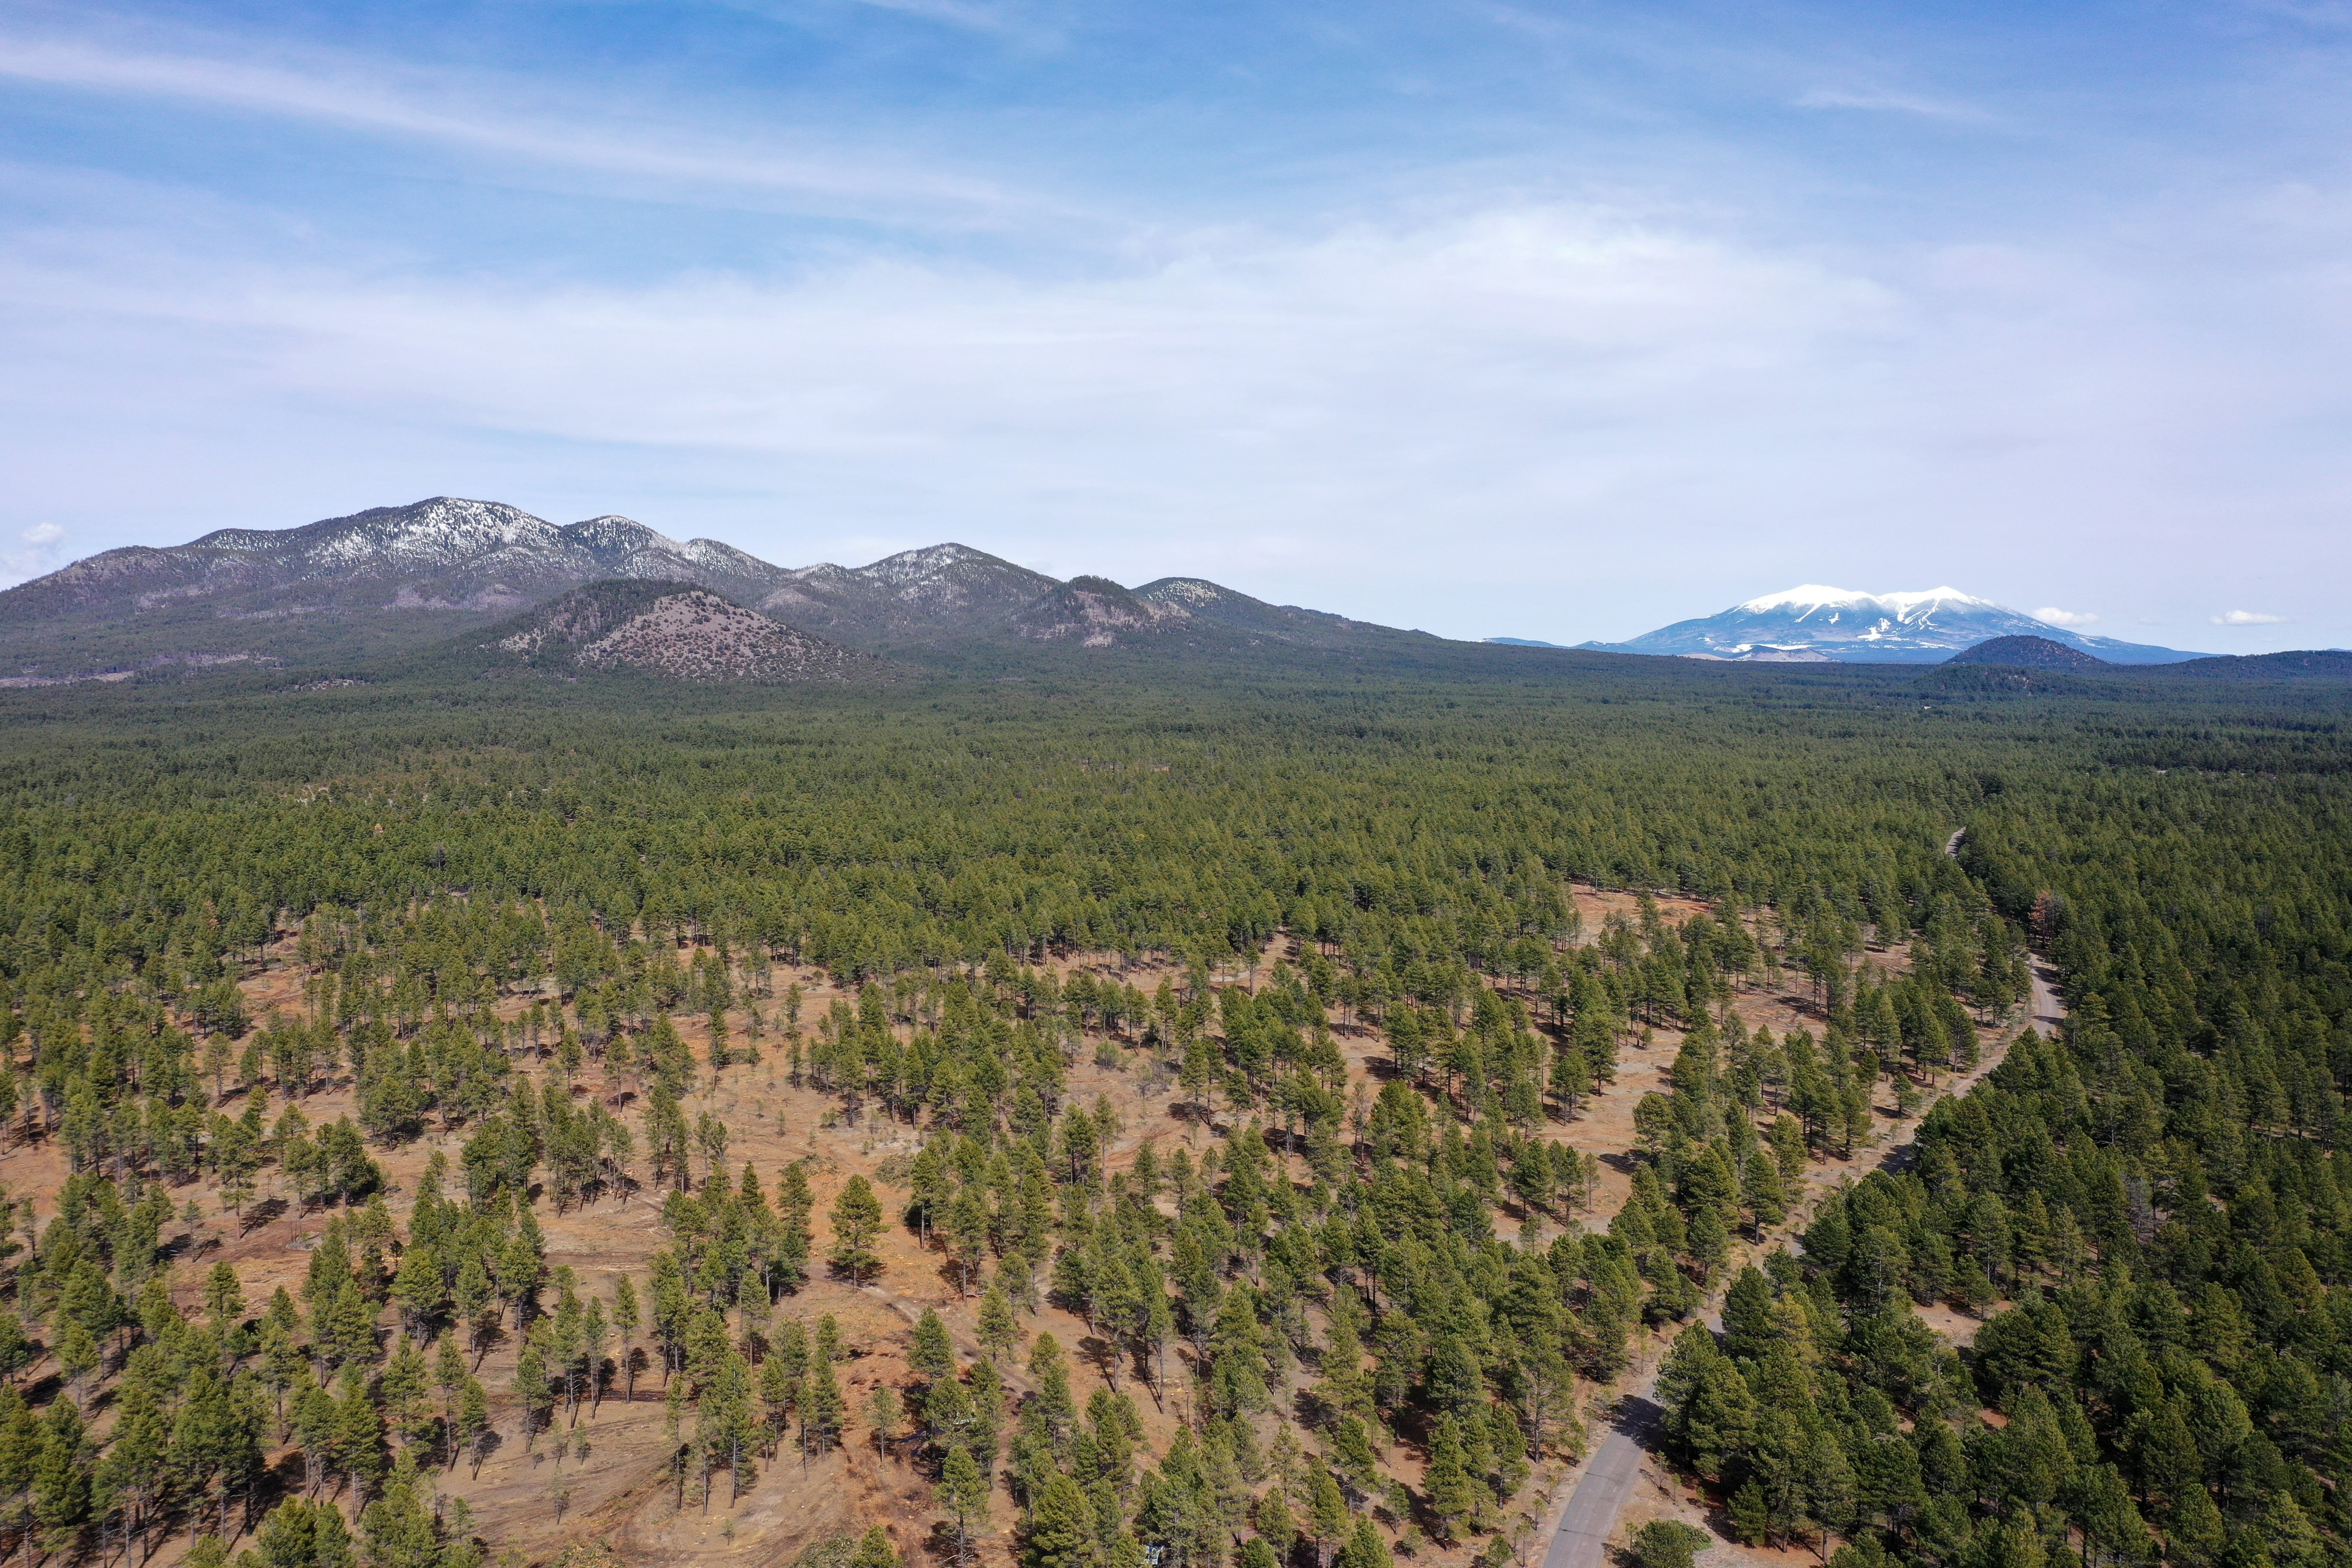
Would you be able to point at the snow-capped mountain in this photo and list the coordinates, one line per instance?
(442, 554)
(398, 578)
(1922, 627)
(376, 581)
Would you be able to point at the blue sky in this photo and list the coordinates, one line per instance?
(1558, 321)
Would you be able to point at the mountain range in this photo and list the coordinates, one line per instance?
(1818, 623)
(454, 585)
(394, 580)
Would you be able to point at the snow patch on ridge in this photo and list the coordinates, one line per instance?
(1808, 597)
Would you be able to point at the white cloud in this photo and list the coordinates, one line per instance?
(2248, 618)
(2058, 617)
(1550, 418)
(1416, 342)
(37, 556)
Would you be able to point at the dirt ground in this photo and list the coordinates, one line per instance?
(607, 1477)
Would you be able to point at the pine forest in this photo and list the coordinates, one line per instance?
(1203, 1122)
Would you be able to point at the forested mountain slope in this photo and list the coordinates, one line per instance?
(1056, 1121)
(350, 594)
(669, 631)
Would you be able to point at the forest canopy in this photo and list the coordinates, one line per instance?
(492, 906)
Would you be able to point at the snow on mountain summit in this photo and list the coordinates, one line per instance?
(1815, 621)
(1812, 597)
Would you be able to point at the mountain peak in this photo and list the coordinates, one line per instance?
(439, 528)
(912, 566)
(617, 534)
(1815, 620)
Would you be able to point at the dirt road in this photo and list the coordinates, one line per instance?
(1582, 1538)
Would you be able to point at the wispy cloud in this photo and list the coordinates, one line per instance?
(359, 100)
(2248, 618)
(1529, 384)
(954, 12)
(1227, 300)
(1475, 376)
(2058, 617)
(1875, 100)
(1006, 21)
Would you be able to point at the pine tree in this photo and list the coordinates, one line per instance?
(998, 1330)
(820, 1407)
(1061, 1527)
(224, 1296)
(530, 1389)
(302, 1534)
(1449, 1490)
(1751, 1518)
(930, 1353)
(403, 1392)
(778, 1389)
(396, 1529)
(856, 1223)
(883, 1412)
(875, 1551)
(1365, 1548)
(626, 1320)
(1331, 1516)
(963, 1498)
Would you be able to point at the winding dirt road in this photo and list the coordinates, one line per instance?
(1589, 1517)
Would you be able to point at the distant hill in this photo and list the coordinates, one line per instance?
(2303, 664)
(1093, 612)
(1923, 628)
(677, 631)
(1523, 642)
(1956, 679)
(1256, 619)
(2028, 652)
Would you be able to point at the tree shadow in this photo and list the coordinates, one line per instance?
(289, 1476)
(1639, 1418)
(256, 1216)
(1101, 1354)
